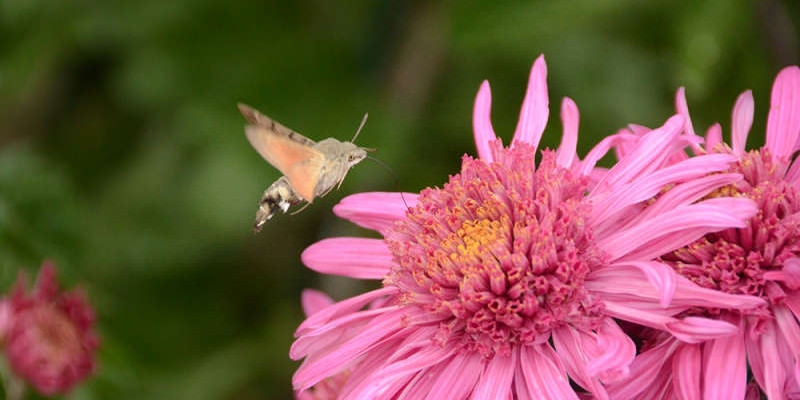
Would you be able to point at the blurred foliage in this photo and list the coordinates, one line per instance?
(122, 154)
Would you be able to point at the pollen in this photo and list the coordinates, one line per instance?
(499, 255)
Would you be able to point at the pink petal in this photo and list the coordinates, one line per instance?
(534, 113)
(322, 338)
(774, 374)
(375, 210)
(360, 383)
(414, 363)
(741, 121)
(755, 361)
(688, 192)
(783, 122)
(601, 149)
(688, 329)
(689, 294)
(312, 372)
(353, 257)
(687, 372)
(647, 372)
(482, 122)
(698, 329)
(613, 354)
(713, 137)
(569, 344)
(624, 283)
(726, 368)
(569, 140)
(651, 150)
(628, 312)
(647, 187)
(709, 216)
(342, 308)
(542, 375)
(639, 130)
(313, 301)
(495, 382)
(793, 176)
(789, 274)
(662, 277)
(682, 108)
(457, 380)
(791, 333)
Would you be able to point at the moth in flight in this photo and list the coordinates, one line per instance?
(310, 169)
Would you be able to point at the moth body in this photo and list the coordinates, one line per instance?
(278, 196)
(310, 169)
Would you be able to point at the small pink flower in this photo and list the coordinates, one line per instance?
(49, 339)
(760, 259)
(505, 283)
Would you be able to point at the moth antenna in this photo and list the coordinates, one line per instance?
(391, 172)
(363, 121)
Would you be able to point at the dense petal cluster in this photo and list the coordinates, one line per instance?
(48, 335)
(501, 252)
(508, 281)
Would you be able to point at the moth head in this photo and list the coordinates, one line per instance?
(355, 155)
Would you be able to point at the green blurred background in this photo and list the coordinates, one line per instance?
(122, 154)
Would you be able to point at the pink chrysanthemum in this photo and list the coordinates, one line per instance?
(761, 259)
(48, 339)
(504, 284)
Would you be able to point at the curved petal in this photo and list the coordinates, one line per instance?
(570, 118)
(682, 108)
(741, 121)
(697, 329)
(783, 122)
(614, 353)
(340, 309)
(647, 371)
(318, 368)
(313, 301)
(495, 382)
(687, 372)
(713, 137)
(725, 368)
(678, 227)
(375, 210)
(787, 324)
(458, 378)
(650, 152)
(542, 375)
(774, 374)
(353, 257)
(623, 139)
(570, 345)
(482, 122)
(661, 277)
(535, 111)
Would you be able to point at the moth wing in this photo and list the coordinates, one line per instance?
(256, 118)
(300, 164)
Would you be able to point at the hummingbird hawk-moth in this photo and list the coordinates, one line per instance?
(310, 169)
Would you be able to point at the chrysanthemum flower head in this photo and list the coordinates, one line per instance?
(50, 340)
(505, 282)
(761, 259)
